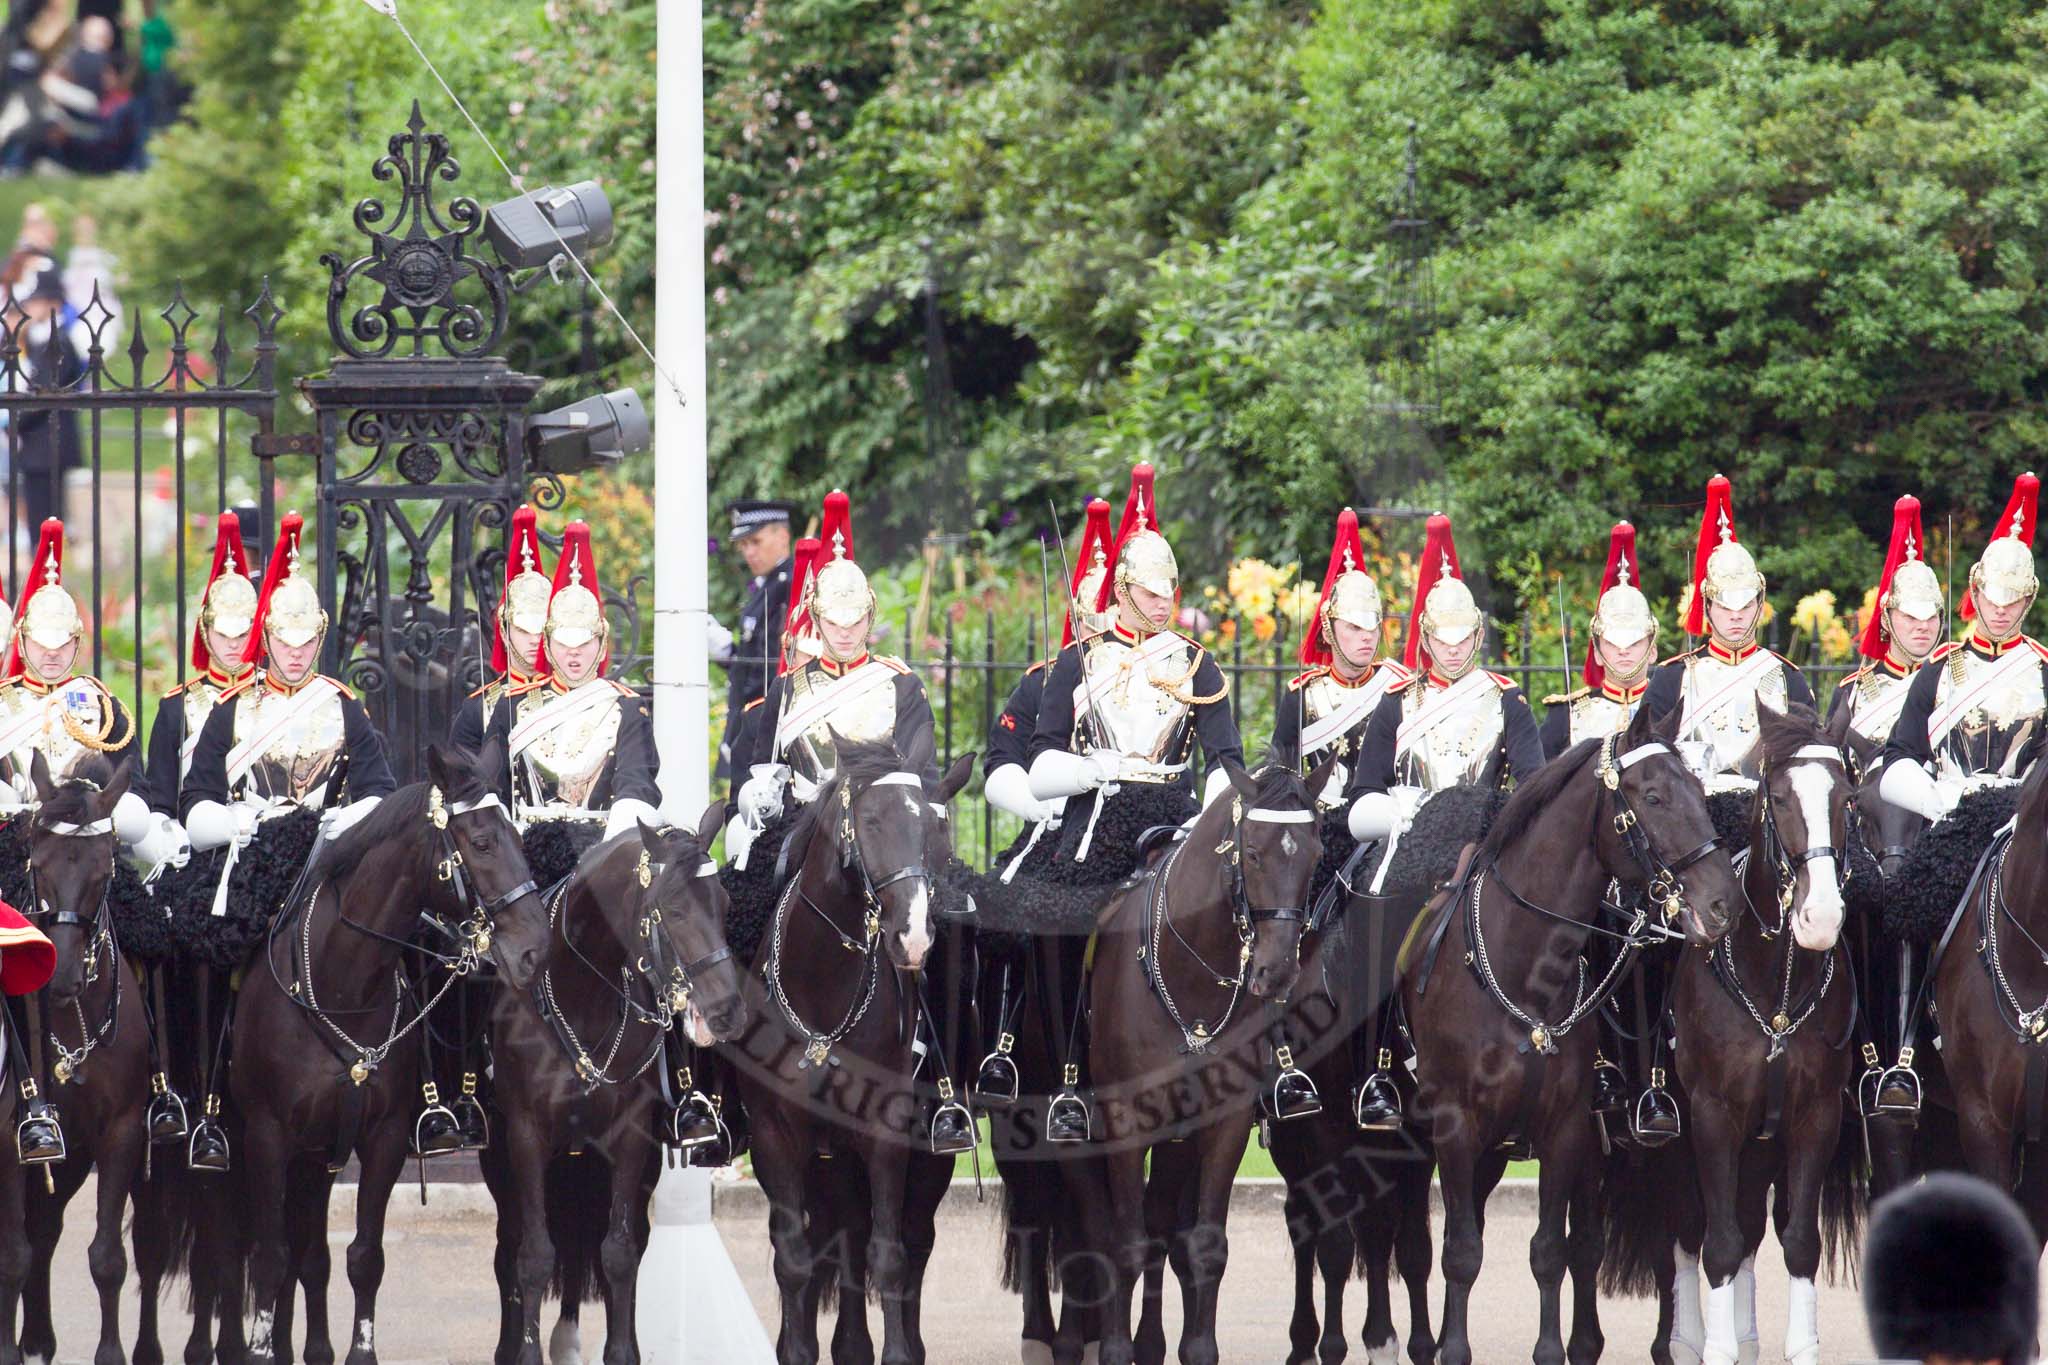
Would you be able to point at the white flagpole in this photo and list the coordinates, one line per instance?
(691, 1305)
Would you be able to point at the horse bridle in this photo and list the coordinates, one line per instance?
(850, 857)
(1666, 884)
(449, 867)
(1242, 910)
(1787, 864)
(71, 1061)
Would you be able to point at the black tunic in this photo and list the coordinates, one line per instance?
(1981, 753)
(756, 654)
(1009, 739)
(915, 742)
(369, 772)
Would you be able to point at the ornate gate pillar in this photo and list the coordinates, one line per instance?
(421, 457)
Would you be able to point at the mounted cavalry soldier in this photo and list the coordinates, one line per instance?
(1904, 629)
(834, 691)
(1618, 657)
(1972, 719)
(1006, 782)
(515, 631)
(1121, 714)
(1450, 723)
(581, 745)
(1325, 712)
(276, 742)
(221, 659)
(1716, 687)
(47, 708)
(1617, 672)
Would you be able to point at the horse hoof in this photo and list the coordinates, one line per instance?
(1034, 1353)
(1805, 1355)
(1387, 1352)
(565, 1343)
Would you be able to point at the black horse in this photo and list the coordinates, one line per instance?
(325, 1043)
(638, 941)
(827, 1074)
(1495, 1000)
(97, 1048)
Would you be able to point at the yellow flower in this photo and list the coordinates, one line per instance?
(1835, 641)
(1868, 609)
(1298, 603)
(1815, 613)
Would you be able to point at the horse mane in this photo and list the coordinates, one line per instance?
(1781, 736)
(72, 801)
(380, 831)
(1533, 797)
(1278, 781)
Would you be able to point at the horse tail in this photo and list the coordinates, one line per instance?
(1030, 1199)
(579, 1200)
(1635, 1215)
(1844, 1199)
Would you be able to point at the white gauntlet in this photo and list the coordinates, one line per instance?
(212, 824)
(759, 798)
(164, 842)
(337, 822)
(626, 813)
(1009, 789)
(1056, 773)
(1908, 786)
(1373, 816)
(132, 819)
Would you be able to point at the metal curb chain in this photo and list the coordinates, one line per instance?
(818, 1046)
(1543, 1036)
(1199, 1037)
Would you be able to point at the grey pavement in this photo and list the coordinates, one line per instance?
(439, 1303)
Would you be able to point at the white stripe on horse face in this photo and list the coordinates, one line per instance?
(1817, 920)
(917, 938)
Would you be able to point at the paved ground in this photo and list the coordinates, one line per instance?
(439, 1305)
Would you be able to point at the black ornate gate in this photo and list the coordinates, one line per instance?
(422, 456)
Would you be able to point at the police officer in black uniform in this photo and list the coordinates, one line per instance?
(761, 531)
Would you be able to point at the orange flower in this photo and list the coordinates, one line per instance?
(1264, 628)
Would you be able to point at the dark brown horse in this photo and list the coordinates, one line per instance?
(1183, 963)
(326, 1048)
(1496, 1002)
(638, 944)
(1356, 1201)
(1990, 992)
(96, 1048)
(827, 1073)
(1763, 1023)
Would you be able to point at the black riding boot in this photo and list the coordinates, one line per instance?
(39, 1137)
(996, 1080)
(472, 1125)
(1898, 1087)
(1066, 1113)
(1655, 1120)
(1290, 1094)
(435, 1132)
(166, 1119)
(1610, 1089)
(207, 1148)
(1376, 1105)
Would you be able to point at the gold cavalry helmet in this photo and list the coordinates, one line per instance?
(2005, 572)
(575, 611)
(528, 589)
(50, 616)
(1724, 572)
(289, 609)
(837, 591)
(228, 606)
(1349, 595)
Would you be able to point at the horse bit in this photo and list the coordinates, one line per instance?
(71, 1061)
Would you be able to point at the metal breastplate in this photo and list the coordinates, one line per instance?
(1874, 704)
(1326, 696)
(1721, 737)
(1130, 702)
(565, 762)
(295, 762)
(866, 716)
(1988, 734)
(1597, 715)
(1455, 748)
(88, 708)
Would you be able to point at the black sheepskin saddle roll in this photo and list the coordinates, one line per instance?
(140, 926)
(1426, 855)
(1056, 892)
(751, 890)
(1936, 873)
(263, 875)
(1338, 846)
(1729, 811)
(554, 847)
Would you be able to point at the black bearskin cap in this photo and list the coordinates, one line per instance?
(1951, 1268)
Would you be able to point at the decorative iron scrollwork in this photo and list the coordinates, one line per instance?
(420, 262)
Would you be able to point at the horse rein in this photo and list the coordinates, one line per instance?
(818, 1046)
(671, 983)
(1665, 887)
(1787, 1019)
(1245, 917)
(71, 1061)
(474, 936)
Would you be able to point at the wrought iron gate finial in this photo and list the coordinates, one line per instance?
(420, 261)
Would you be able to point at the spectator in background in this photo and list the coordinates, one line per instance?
(89, 270)
(1951, 1274)
(80, 115)
(46, 443)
